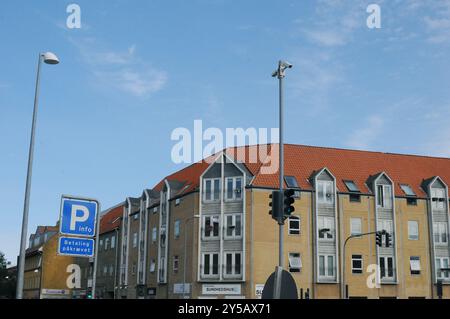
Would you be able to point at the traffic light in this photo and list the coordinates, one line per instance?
(388, 239)
(379, 238)
(288, 202)
(89, 294)
(275, 205)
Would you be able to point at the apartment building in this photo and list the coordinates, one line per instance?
(46, 273)
(109, 251)
(205, 231)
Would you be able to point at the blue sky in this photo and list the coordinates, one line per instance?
(137, 70)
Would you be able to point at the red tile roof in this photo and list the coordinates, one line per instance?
(301, 161)
(111, 220)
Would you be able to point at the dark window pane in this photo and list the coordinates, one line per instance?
(238, 227)
(382, 268)
(229, 263)
(206, 264)
(390, 267)
(237, 266)
(229, 188)
(215, 264)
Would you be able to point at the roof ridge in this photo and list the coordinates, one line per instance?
(364, 151)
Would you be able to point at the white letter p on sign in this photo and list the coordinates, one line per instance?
(74, 219)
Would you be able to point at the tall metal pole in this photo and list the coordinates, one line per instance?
(26, 205)
(281, 151)
(97, 238)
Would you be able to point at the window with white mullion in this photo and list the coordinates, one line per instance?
(327, 266)
(210, 227)
(294, 225)
(211, 189)
(326, 227)
(233, 226)
(232, 264)
(438, 198)
(442, 266)
(384, 196)
(210, 265)
(387, 269)
(387, 225)
(440, 232)
(325, 192)
(233, 188)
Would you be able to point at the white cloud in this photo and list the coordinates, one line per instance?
(122, 70)
(326, 38)
(363, 137)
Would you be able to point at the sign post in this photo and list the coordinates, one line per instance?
(79, 223)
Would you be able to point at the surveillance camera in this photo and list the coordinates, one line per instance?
(285, 64)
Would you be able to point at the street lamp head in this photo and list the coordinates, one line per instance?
(50, 58)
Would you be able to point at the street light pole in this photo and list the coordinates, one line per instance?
(343, 290)
(280, 74)
(48, 58)
(184, 254)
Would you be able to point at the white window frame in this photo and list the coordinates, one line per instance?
(388, 226)
(295, 262)
(111, 270)
(177, 229)
(413, 230)
(322, 194)
(154, 234)
(324, 222)
(327, 275)
(106, 243)
(386, 269)
(211, 198)
(444, 275)
(105, 270)
(101, 244)
(211, 224)
(384, 201)
(437, 194)
(360, 270)
(113, 242)
(234, 192)
(414, 264)
(211, 265)
(294, 231)
(352, 225)
(233, 264)
(233, 223)
(440, 229)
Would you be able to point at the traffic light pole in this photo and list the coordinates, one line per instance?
(344, 291)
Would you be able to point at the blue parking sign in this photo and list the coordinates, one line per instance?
(77, 247)
(78, 217)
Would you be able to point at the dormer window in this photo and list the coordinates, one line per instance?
(384, 196)
(438, 198)
(325, 192)
(211, 189)
(233, 189)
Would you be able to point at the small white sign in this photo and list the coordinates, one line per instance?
(259, 290)
(213, 289)
(55, 292)
(178, 288)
